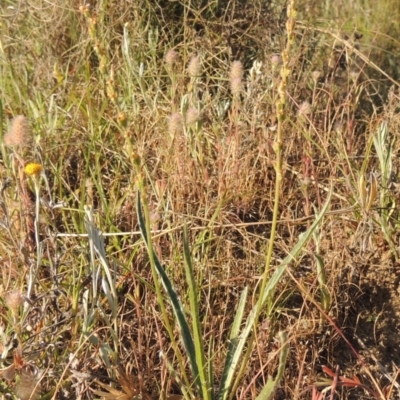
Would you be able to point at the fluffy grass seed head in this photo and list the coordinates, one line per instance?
(236, 86)
(171, 58)
(304, 109)
(175, 123)
(236, 77)
(194, 67)
(276, 59)
(19, 133)
(14, 300)
(33, 169)
(192, 116)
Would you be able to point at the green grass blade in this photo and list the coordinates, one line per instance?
(194, 311)
(272, 383)
(228, 373)
(98, 243)
(321, 276)
(175, 302)
(210, 368)
(239, 342)
(276, 276)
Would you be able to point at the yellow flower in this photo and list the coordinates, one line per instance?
(33, 169)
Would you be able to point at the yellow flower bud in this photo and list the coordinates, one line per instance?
(33, 169)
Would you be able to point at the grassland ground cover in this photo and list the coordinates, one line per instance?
(199, 199)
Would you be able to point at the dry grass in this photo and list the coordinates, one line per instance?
(192, 93)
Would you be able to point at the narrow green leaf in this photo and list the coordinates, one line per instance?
(272, 383)
(239, 342)
(210, 366)
(321, 276)
(229, 368)
(175, 302)
(194, 311)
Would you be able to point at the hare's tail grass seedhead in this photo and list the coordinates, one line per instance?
(236, 77)
(194, 67)
(175, 124)
(171, 58)
(192, 116)
(305, 109)
(19, 133)
(236, 70)
(14, 300)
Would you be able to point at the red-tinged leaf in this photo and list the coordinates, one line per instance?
(315, 394)
(387, 391)
(350, 381)
(335, 382)
(328, 371)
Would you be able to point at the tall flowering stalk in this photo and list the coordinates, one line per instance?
(281, 117)
(267, 292)
(269, 282)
